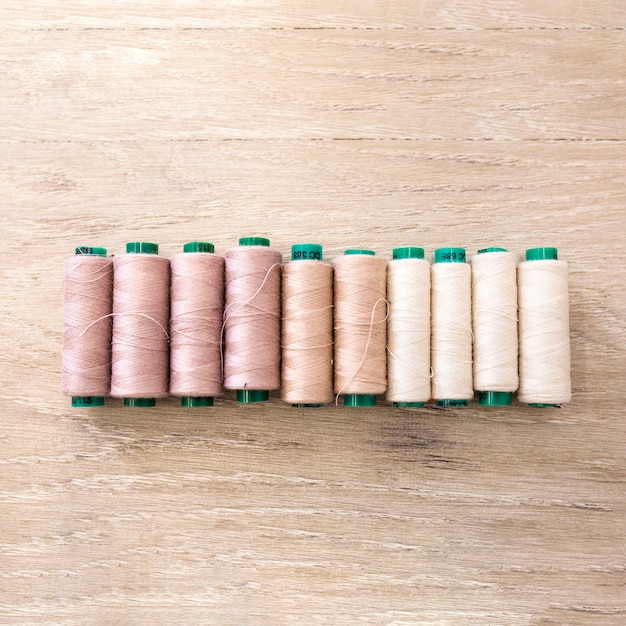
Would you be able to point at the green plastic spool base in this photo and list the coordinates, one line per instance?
(451, 403)
(495, 398)
(539, 405)
(247, 396)
(450, 255)
(83, 402)
(90, 251)
(306, 252)
(542, 254)
(142, 247)
(407, 253)
(199, 246)
(254, 241)
(409, 405)
(140, 402)
(193, 401)
(492, 249)
(359, 399)
(307, 406)
(360, 251)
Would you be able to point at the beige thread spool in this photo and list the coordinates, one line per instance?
(544, 348)
(408, 328)
(197, 309)
(451, 336)
(140, 325)
(88, 302)
(307, 328)
(360, 327)
(252, 319)
(494, 324)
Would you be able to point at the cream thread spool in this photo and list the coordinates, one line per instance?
(88, 302)
(451, 335)
(360, 361)
(196, 314)
(140, 347)
(494, 324)
(408, 328)
(252, 319)
(544, 348)
(307, 328)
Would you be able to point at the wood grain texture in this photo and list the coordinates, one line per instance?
(352, 124)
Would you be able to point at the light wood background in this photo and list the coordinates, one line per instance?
(349, 123)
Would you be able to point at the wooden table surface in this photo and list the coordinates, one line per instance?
(370, 124)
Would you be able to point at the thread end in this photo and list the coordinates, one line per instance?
(495, 398)
(83, 402)
(359, 399)
(248, 396)
(139, 402)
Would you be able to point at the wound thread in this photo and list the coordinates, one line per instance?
(544, 345)
(197, 308)
(252, 319)
(494, 324)
(360, 327)
(87, 306)
(451, 340)
(140, 347)
(307, 328)
(408, 328)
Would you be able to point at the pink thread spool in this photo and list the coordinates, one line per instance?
(197, 307)
(140, 346)
(88, 301)
(252, 319)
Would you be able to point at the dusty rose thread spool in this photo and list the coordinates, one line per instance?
(307, 328)
(252, 319)
(87, 304)
(451, 334)
(197, 308)
(140, 346)
(360, 327)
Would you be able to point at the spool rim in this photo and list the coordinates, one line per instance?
(408, 252)
(199, 246)
(142, 247)
(450, 255)
(542, 254)
(254, 241)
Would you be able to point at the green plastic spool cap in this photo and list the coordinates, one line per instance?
(196, 401)
(306, 252)
(247, 396)
(254, 241)
(409, 405)
(139, 402)
(408, 253)
(359, 399)
(539, 405)
(90, 251)
(492, 249)
(495, 398)
(450, 255)
(451, 403)
(360, 251)
(306, 406)
(83, 402)
(198, 246)
(142, 247)
(541, 254)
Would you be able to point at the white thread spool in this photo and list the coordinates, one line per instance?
(197, 309)
(307, 328)
(408, 328)
(544, 359)
(494, 323)
(360, 327)
(451, 348)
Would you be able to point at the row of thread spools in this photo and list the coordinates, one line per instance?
(139, 326)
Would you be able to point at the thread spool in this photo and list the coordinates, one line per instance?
(360, 327)
(140, 346)
(197, 308)
(307, 328)
(252, 319)
(494, 323)
(544, 347)
(451, 349)
(87, 306)
(408, 328)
